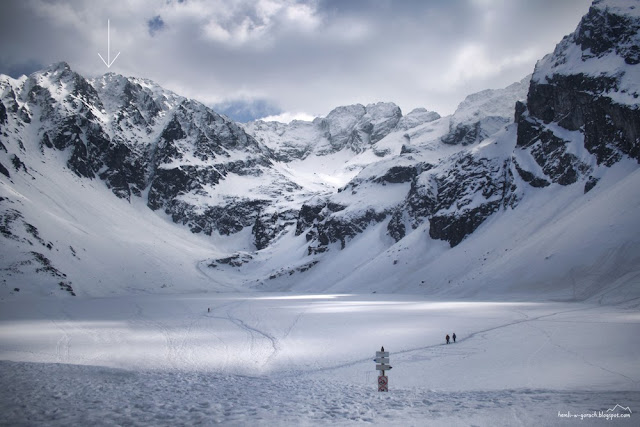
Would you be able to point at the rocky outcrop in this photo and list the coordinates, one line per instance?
(468, 193)
(455, 197)
(357, 126)
(353, 127)
(143, 141)
(484, 113)
(417, 117)
(584, 88)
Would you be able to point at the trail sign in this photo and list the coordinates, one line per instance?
(382, 364)
(383, 383)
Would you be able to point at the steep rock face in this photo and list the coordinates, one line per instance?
(286, 142)
(587, 89)
(454, 191)
(417, 117)
(326, 222)
(357, 126)
(142, 141)
(454, 196)
(65, 105)
(468, 193)
(353, 127)
(484, 113)
(197, 150)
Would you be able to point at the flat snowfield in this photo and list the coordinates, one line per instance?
(283, 359)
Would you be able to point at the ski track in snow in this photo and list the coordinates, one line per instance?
(253, 332)
(435, 347)
(249, 384)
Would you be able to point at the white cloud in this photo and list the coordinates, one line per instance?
(288, 117)
(473, 61)
(237, 23)
(303, 16)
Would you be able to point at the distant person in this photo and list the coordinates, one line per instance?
(454, 337)
(447, 338)
(209, 311)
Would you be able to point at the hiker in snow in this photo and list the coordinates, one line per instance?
(209, 311)
(447, 337)
(454, 337)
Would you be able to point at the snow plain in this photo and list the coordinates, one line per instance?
(302, 359)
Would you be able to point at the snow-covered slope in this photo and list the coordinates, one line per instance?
(160, 190)
(292, 360)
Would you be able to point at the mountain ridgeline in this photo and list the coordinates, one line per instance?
(266, 189)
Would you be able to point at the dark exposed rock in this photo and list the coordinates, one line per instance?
(464, 134)
(550, 152)
(598, 105)
(601, 32)
(406, 149)
(4, 171)
(46, 265)
(173, 132)
(225, 219)
(267, 226)
(448, 199)
(396, 228)
(262, 235)
(3, 114)
(398, 174)
(167, 184)
(309, 214)
(18, 164)
(7, 219)
(457, 212)
(530, 178)
(591, 182)
(33, 231)
(174, 165)
(455, 227)
(235, 260)
(422, 200)
(575, 103)
(124, 172)
(66, 286)
(290, 272)
(324, 227)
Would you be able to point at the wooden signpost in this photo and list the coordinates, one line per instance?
(382, 364)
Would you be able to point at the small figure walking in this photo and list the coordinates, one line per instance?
(209, 310)
(454, 337)
(447, 337)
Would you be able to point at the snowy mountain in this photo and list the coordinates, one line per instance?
(116, 185)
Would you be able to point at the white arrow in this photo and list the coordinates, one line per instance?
(109, 62)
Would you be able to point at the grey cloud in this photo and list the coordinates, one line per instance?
(155, 24)
(247, 110)
(302, 56)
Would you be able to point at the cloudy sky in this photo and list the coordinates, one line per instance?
(253, 58)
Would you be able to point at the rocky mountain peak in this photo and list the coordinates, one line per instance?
(483, 113)
(416, 117)
(610, 27)
(586, 90)
(364, 176)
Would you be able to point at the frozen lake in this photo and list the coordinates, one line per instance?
(308, 359)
